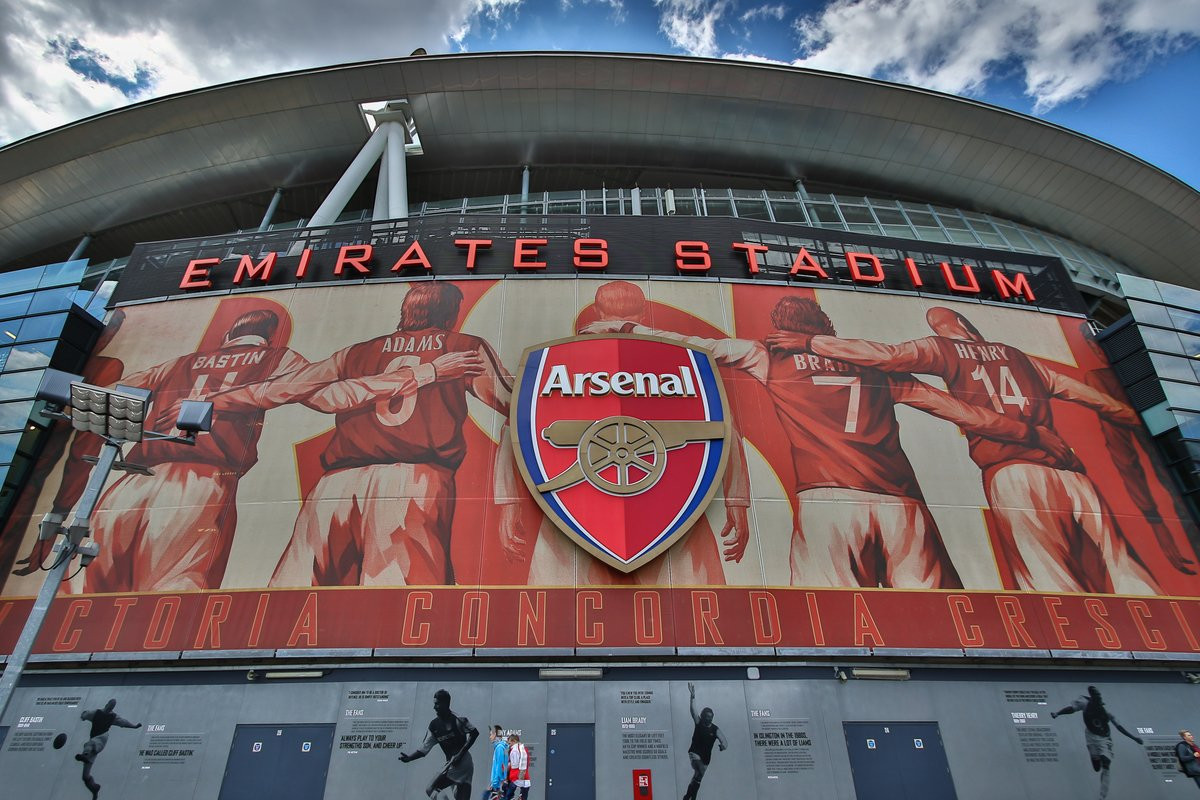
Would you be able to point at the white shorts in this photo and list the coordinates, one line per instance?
(170, 531)
(848, 537)
(1059, 534)
(378, 525)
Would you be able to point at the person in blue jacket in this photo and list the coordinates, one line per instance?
(499, 763)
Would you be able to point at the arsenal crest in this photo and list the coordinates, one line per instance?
(622, 439)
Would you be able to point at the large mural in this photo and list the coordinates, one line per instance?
(901, 471)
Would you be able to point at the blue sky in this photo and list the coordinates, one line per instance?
(1122, 71)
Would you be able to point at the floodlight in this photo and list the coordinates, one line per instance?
(195, 416)
(881, 673)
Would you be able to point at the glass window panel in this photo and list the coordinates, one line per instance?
(14, 385)
(8, 445)
(962, 236)
(749, 193)
(991, 239)
(14, 416)
(1182, 395)
(650, 206)
(68, 272)
(490, 200)
(531, 208)
(43, 327)
(21, 280)
(14, 306)
(1186, 321)
(596, 207)
(890, 216)
(825, 214)
(931, 234)
(773, 195)
(564, 208)
(859, 228)
(857, 214)
(19, 469)
(1150, 313)
(1039, 242)
(900, 231)
(52, 300)
(953, 222)
(922, 219)
(718, 207)
(1175, 295)
(1173, 367)
(564, 196)
(685, 207)
(752, 209)
(1158, 339)
(788, 212)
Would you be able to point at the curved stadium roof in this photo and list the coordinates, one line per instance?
(207, 161)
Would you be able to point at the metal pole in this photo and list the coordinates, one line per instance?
(79, 248)
(525, 184)
(397, 172)
(380, 209)
(63, 559)
(352, 178)
(270, 215)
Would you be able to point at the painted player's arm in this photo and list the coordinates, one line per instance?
(918, 355)
(744, 354)
(493, 385)
(1105, 405)
(692, 703)
(736, 532)
(1119, 727)
(722, 742)
(975, 419)
(422, 751)
(121, 722)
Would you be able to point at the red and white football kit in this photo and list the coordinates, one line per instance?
(861, 519)
(1059, 530)
(173, 530)
(382, 512)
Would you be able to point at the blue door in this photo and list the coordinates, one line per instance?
(289, 762)
(898, 761)
(571, 761)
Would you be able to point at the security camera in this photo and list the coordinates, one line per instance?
(841, 675)
(1192, 677)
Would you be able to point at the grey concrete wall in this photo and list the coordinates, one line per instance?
(785, 730)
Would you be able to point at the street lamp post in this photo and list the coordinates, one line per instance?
(118, 417)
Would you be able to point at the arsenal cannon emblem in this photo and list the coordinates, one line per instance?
(622, 439)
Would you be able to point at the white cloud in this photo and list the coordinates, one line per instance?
(616, 7)
(691, 25)
(777, 12)
(186, 45)
(1063, 49)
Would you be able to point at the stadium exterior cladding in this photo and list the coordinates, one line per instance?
(578, 120)
(838, 515)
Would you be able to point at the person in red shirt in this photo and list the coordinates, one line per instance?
(1056, 527)
(173, 530)
(381, 514)
(100, 371)
(1127, 446)
(861, 518)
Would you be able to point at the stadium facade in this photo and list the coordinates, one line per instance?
(716, 427)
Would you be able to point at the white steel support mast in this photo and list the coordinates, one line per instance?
(393, 140)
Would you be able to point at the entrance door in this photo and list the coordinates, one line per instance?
(571, 761)
(898, 761)
(284, 761)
